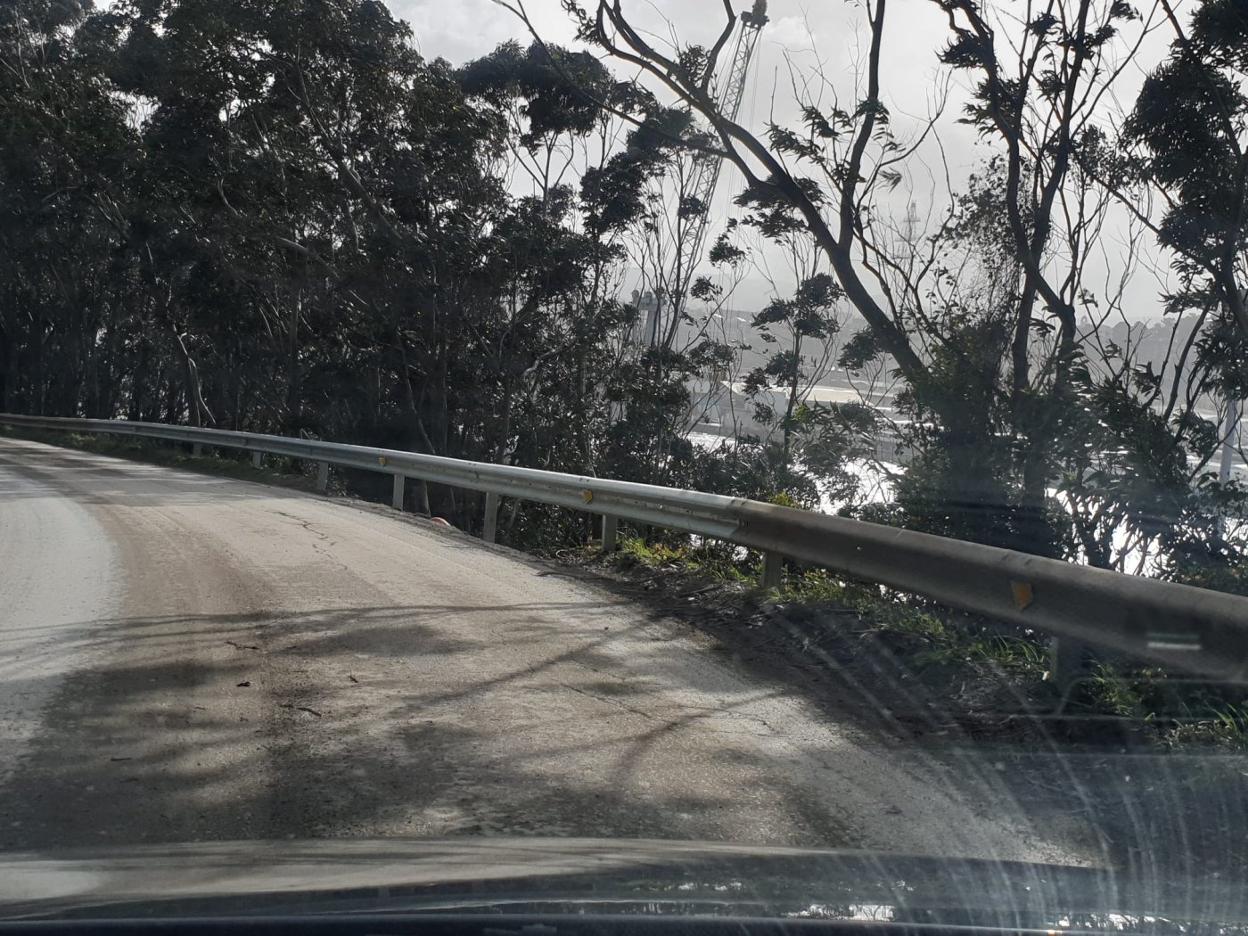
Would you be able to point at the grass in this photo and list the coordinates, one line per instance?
(712, 561)
(1222, 727)
(948, 637)
(932, 636)
(1115, 693)
(942, 639)
(964, 661)
(1182, 712)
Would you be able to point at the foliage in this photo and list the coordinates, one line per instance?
(277, 216)
(1187, 138)
(1184, 713)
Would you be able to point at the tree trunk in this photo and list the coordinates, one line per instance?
(294, 382)
(12, 363)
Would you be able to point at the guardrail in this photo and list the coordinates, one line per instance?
(1191, 628)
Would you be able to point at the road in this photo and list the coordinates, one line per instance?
(188, 658)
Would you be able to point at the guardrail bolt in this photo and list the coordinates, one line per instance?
(322, 476)
(773, 566)
(489, 529)
(396, 500)
(610, 530)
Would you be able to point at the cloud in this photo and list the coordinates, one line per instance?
(792, 32)
(461, 30)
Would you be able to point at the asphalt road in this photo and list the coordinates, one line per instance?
(187, 658)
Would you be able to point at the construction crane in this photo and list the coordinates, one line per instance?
(730, 95)
(707, 168)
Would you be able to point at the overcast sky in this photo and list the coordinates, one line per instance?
(827, 31)
(805, 30)
(824, 30)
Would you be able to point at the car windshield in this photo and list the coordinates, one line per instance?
(794, 444)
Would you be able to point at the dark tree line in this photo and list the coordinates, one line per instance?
(276, 216)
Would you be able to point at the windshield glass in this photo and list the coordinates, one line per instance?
(658, 432)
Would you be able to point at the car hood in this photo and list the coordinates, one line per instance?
(551, 876)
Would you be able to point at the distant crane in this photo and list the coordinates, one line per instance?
(730, 96)
(707, 168)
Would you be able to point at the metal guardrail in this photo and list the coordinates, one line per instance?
(1191, 628)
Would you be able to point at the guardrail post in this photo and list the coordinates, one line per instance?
(1067, 662)
(773, 565)
(610, 528)
(489, 530)
(396, 499)
(422, 497)
(197, 449)
(257, 459)
(322, 476)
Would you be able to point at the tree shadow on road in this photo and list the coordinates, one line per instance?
(375, 721)
(383, 721)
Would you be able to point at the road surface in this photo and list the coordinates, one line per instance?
(185, 658)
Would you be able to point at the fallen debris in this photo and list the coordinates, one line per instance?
(300, 708)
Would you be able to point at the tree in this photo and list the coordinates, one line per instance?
(998, 384)
(1190, 130)
(278, 216)
(65, 158)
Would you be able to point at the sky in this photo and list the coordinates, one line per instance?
(799, 31)
(802, 32)
(805, 30)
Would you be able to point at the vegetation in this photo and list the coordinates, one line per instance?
(262, 215)
(939, 666)
(1030, 428)
(276, 218)
(938, 635)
